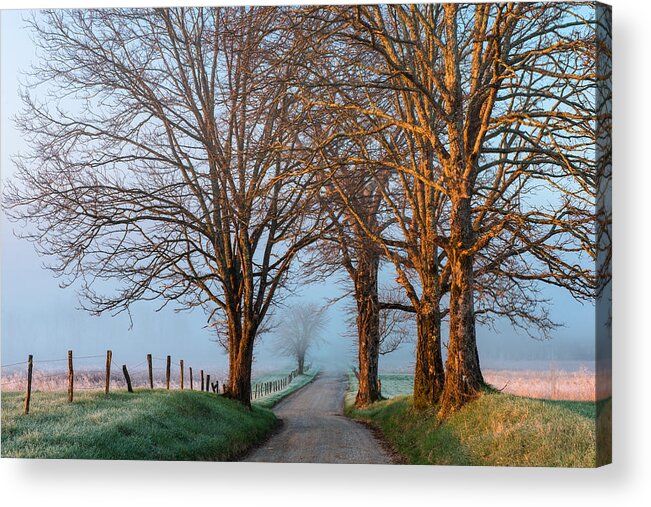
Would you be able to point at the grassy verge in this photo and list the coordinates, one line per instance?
(495, 429)
(146, 425)
(297, 383)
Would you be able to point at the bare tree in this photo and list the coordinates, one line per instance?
(160, 158)
(488, 113)
(366, 118)
(300, 331)
(360, 258)
(346, 246)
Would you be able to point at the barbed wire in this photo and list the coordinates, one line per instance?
(13, 364)
(50, 360)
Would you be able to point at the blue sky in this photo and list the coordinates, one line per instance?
(40, 318)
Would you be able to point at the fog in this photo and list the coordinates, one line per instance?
(40, 318)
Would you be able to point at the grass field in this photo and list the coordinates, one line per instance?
(146, 425)
(552, 383)
(496, 429)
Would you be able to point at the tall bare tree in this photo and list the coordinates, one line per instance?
(349, 247)
(346, 246)
(351, 149)
(160, 158)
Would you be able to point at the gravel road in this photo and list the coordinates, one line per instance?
(316, 431)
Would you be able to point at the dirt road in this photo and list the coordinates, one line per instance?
(316, 431)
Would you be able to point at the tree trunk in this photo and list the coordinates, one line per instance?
(368, 327)
(240, 363)
(301, 364)
(429, 376)
(463, 378)
(479, 373)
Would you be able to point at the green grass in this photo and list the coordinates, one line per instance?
(495, 429)
(298, 382)
(146, 425)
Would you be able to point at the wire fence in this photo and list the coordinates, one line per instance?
(38, 375)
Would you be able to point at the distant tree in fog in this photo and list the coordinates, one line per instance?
(300, 330)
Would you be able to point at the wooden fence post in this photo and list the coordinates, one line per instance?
(181, 365)
(202, 382)
(71, 377)
(168, 371)
(191, 389)
(208, 383)
(109, 355)
(151, 371)
(28, 394)
(216, 389)
(127, 378)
